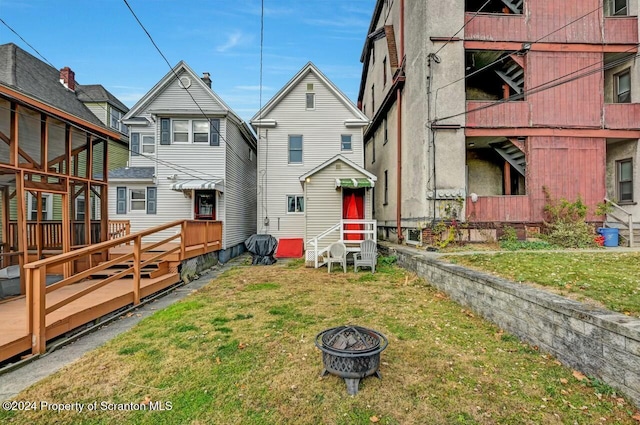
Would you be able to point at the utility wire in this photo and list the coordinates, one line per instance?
(178, 77)
(26, 42)
(463, 27)
(506, 55)
(551, 84)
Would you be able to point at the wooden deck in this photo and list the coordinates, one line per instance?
(15, 338)
(47, 312)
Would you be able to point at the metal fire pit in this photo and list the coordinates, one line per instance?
(352, 353)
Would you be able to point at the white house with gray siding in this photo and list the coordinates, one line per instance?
(311, 174)
(191, 157)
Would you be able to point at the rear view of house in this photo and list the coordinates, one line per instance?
(191, 157)
(310, 165)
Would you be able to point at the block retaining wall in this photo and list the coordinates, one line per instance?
(594, 341)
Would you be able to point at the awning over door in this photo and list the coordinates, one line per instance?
(199, 185)
(355, 183)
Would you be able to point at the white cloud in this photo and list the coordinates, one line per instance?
(234, 39)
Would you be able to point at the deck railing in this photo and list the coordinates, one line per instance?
(188, 233)
(626, 221)
(47, 235)
(363, 229)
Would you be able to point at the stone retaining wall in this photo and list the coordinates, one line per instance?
(597, 342)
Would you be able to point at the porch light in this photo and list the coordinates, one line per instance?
(474, 197)
(308, 180)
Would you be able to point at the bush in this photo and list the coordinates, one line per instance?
(565, 223)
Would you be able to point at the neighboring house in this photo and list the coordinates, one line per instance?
(110, 111)
(473, 125)
(191, 157)
(310, 161)
(48, 141)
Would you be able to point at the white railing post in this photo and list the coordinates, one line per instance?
(630, 230)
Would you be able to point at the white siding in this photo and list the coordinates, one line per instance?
(139, 160)
(240, 189)
(140, 220)
(324, 200)
(321, 129)
(174, 97)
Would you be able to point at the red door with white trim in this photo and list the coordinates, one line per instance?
(353, 209)
(204, 205)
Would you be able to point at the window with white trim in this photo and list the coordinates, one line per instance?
(295, 149)
(345, 142)
(295, 204)
(311, 101)
(623, 86)
(624, 177)
(137, 199)
(148, 144)
(192, 131)
(47, 207)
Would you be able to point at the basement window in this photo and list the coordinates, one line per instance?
(495, 6)
(494, 75)
(414, 236)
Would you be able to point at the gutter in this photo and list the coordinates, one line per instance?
(399, 132)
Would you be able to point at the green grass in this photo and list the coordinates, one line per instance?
(609, 279)
(231, 354)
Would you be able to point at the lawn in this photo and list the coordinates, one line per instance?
(241, 351)
(611, 280)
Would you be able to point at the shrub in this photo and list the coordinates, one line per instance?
(565, 223)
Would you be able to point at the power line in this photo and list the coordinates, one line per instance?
(463, 27)
(177, 78)
(26, 42)
(551, 84)
(506, 55)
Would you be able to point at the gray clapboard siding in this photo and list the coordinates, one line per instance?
(240, 189)
(174, 97)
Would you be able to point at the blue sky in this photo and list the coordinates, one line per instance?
(103, 44)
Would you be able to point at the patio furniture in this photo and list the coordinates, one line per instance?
(367, 257)
(337, 253)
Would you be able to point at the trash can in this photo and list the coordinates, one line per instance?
(610, 236)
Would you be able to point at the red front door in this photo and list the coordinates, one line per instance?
(205, 205)
(353, 209)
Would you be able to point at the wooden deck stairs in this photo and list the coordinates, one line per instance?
(86, 295)
(150, 271)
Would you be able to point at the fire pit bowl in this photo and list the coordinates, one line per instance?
(352, 353)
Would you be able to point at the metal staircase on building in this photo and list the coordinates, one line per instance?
(514, 6)
(512, 74)
(512, 154)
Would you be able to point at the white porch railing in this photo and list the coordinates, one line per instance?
(626, 221)
(316, 248)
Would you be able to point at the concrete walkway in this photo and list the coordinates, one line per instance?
(12, 383)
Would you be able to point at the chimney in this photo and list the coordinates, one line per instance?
(206, 77)
(67, 78)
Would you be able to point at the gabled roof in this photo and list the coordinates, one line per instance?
(93, 93)
(338, 157)
(309, 68)
(171, 76)
(25, 74)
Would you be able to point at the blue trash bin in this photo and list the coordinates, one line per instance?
(610, 236)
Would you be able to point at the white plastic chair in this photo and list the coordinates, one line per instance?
(337, 253)
(367, 257)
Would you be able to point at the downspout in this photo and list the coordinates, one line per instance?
(399, 133)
